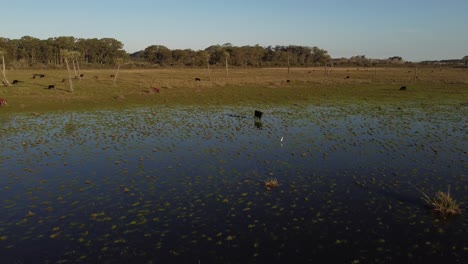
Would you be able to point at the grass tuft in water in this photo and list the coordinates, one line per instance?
(271, 183)
(442, 203)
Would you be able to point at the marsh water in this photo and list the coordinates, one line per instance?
(186, 185)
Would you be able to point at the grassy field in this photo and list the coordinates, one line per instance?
(134, 87)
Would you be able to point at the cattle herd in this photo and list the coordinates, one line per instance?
(257, 114)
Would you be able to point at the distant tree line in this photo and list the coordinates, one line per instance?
(30, 51)
(361, 60)
(245, 56)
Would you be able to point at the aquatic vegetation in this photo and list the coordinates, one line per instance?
(131, 186)
(271, 183)
(442, 203)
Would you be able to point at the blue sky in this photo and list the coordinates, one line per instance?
(414, 29)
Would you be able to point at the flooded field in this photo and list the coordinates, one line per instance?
(186, 185)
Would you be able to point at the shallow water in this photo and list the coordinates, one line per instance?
(186, 185)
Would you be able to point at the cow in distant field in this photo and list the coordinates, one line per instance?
(15, 82)
(3, 102)
(40, 75)
(156, 90)
(51, 86)
(81, 75)
(112, 76)
(197, 79)
(403, 88)
(258, 115)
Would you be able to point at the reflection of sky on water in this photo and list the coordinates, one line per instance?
(340, 169)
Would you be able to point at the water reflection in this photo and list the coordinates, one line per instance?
(187, 185)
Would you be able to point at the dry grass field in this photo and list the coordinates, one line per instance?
(135, 87)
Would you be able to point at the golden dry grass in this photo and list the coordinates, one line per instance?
(442, 203)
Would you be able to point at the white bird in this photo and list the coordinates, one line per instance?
(281, 140)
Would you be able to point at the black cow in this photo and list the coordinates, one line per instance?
(197, 79)
(258, 115)
(403, 88)
(288, 81)
(15, 82)
(81, 75)
(112, 76)
(51, 86)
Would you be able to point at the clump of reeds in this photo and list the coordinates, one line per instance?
(271, 183)
(442, 203)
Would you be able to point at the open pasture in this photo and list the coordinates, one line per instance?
(243, 86)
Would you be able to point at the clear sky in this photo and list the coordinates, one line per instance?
(413, 29)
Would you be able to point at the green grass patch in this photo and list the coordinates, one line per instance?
(244, 86)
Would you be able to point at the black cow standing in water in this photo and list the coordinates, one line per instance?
(258, 115)
(258, 119)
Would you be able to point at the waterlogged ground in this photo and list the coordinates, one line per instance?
(160, 185)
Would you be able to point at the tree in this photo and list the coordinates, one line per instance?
(5, 80)
(158, 54)
(465, 60)
(319, 56)
(66, 55)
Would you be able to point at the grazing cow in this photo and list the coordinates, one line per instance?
(51, 86)
(403, 88)
(3, 102)
(112, 76)
(64, 80)
(81, 75)
(258, 115)
(197, 79)
(15, 82)
(347, 77)
(288, 81)
(156, 90)
(40, 75)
